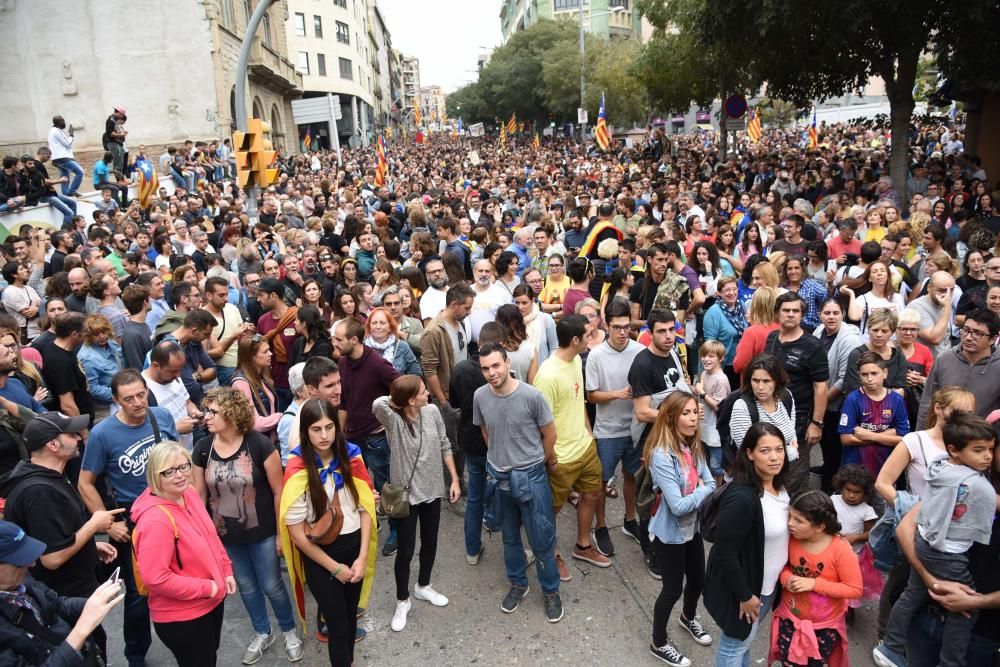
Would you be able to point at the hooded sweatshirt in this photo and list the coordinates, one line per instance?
(952, 368)
(179, 591)
(958, 506)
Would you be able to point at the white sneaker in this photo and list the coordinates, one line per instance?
(474, 560)
(399, 616)
(529, 557)
(293, 646)
(429, 595)
(255, 651)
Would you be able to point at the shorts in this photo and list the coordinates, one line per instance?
(613, 450)
(583, 474)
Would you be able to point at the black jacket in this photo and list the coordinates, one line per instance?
(735, 570)
(59, 614)
(466, 378)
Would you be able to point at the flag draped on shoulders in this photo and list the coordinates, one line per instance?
(296, 486)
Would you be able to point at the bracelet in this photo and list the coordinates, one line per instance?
(334, 574)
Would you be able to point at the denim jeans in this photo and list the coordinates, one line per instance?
(63, 204)
(375, 452)
(69, 168)
(736, 652)
(525, 497)
(476, 508)
(924, 639)
(255, 568)
(715, 461)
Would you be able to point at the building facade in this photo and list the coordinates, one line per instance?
(518, 15)
(80, 59)
(411, 82)
(432, 104)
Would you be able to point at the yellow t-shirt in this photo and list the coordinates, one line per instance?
(554, 291)
(561, 384)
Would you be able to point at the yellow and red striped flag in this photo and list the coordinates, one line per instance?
(813, 136)
(536, 142)
(512, 124)
(601, 131)
(149, 182)
(417, 117)
(754, 129)
(382, 167)
(503, 135)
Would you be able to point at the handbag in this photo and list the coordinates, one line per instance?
(326, 529)
(394, 499)
(708, 513)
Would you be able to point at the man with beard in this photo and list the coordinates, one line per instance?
(79, 283)
(489, 297)
(576, 234)
(433, 300)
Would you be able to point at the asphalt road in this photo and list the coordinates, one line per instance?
(608, 615)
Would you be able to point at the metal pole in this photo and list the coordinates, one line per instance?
(583, 69)
(241, 94)
(332, 127)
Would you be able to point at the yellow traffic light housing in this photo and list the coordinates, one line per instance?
(241, 154)
(254, 155)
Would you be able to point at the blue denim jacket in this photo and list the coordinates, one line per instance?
(530, 489)
(675, 508)
(100, 364)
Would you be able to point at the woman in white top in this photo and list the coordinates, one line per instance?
(539, 324)
(523, 354)
(764, 383)
(876, 285)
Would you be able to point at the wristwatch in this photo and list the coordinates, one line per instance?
(817, 424)
(702, 396)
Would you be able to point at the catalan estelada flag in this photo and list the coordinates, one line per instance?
(601, 131)
(382, 166)
(536, 142)
(307, 141)
(503, 136)
(754, 129)
(813, 136)
(149, 183)
(417, 117)
(512, 124)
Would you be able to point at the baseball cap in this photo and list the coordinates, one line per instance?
(121, 108)
(272, 286)
(47, 425)
(17, 547)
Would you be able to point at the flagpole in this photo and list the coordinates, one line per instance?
(241, 94)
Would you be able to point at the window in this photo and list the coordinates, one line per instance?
(318, 25)
(266, 26)
(303, 62)
(558, 5)
(320, 64)
(346, 69)
(227, 14)
(341, 3)
(343, 33)
(300, 24)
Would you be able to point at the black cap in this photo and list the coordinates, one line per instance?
(45, 427)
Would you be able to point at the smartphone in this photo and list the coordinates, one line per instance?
(116, 575)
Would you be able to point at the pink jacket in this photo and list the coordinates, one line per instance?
(179, 591)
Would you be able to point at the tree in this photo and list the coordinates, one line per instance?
(778, 113)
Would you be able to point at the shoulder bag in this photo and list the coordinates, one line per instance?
(326, 529)
(395, 499)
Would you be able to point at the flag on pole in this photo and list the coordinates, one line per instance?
(307, 141)
(382, 165)
(417, 118)
(601, 131)
(754, 129)
(813, 137)
(503, 136)
(149, 183)
(512, 124)
(536, 142)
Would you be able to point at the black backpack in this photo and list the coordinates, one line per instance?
(724, 415)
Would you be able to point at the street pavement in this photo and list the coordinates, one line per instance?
(608, 614)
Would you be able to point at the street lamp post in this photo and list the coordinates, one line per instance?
(241, 94)
(583, 61)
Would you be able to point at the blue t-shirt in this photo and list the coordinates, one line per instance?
(15, 392)
(874, 416)
(101, 172)
(120, 451)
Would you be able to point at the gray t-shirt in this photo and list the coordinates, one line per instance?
(607, 370)
(929, 314)
(512, 422)
(459, 342)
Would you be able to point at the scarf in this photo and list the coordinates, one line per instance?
(387, 349)
(325, 473)
(274, 335)
(734, 314)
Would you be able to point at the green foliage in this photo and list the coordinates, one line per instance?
(778, 113)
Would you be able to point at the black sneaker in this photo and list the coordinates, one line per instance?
(553, 607)
(697, 632)
(513, 599)
(668, 654)
(391, 544)
(631, 528)
(653, 566)
(602, 540)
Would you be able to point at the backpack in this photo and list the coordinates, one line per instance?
(724, 415)
(140, 585)
(708, 513)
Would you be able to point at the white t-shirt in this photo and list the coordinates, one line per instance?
(717, 386)
(301, 508)
(431, 303)
(775, 538)
(852, 518)
(923, 452)
(173, 398)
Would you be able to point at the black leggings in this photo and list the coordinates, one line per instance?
(429, 515)
(336, 601)
(677, 562)
(194, 642)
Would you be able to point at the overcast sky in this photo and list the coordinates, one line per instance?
(445, 35)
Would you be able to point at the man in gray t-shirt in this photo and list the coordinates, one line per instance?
(520, 434)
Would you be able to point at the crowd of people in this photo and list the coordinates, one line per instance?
(789, 360)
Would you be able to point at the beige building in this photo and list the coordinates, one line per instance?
(411, 82)
(173, 65)
(432, 104)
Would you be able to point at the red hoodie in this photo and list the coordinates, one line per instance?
(176, 593)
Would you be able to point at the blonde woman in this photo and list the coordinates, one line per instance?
(679, 470)
(762, 320)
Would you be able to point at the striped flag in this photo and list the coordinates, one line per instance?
(149, 183)
(754, 130)
(503, 136)
(382, 167)
(601, 131)
(512, 124)
(307, 141)
(417, 117)
(813, 137)
(536, 142)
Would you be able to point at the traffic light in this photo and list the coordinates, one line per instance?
(255, 157)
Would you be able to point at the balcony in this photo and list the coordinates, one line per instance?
(269, 68)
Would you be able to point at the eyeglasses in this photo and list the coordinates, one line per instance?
(555, 266)
(995, 267)
(907, 330)
(974, 334)
(461, 340)
(209, 412)
(593, 317)
(183, 469)
(621, 328)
